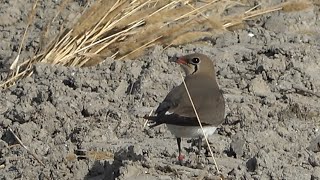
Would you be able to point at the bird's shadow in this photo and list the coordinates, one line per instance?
(110, 170)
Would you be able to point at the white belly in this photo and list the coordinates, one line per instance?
(191, 131)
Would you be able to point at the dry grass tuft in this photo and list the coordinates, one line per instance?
(124, 29)
(296, 6)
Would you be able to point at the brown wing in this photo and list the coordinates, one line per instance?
(206, 97)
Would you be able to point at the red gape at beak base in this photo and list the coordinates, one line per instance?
(181, 60)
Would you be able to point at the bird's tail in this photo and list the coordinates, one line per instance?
(154, 120)
(173, 119)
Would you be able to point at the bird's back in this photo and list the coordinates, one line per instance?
(207, 99)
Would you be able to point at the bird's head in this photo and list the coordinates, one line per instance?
(196, 63)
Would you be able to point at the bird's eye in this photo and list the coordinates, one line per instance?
(195, 60)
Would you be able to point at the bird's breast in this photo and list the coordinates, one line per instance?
(190, 131)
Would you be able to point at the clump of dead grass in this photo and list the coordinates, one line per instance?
(124, 29)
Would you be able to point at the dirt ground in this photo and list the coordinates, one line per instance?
(268, 71)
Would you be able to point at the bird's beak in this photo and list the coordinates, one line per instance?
(181, 60)
(173, 59)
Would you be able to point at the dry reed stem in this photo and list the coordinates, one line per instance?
(45, 31)
(124, 29)
(29, 21)
(286, 7)
(28, 150)
(198, 118)
(304, 90)
(92, 155)
(146, 121)
(296, 6)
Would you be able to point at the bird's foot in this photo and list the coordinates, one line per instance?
(181, 158)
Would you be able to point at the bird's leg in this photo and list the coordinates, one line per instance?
(199, 149)
(180, 157)
(199, 145)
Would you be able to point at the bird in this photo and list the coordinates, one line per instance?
(176, 110)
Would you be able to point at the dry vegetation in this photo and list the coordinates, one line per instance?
(123, 29)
